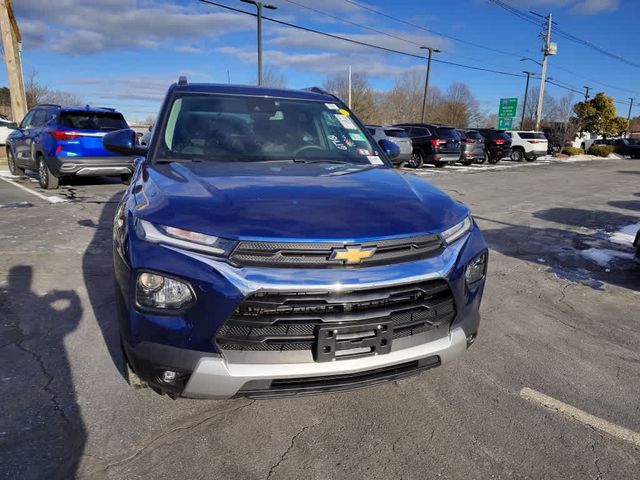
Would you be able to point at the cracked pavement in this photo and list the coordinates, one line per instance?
(552, 321)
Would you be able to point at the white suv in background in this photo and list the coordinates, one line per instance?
(527, 145)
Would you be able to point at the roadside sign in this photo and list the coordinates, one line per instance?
(505, 123)
(508, 108)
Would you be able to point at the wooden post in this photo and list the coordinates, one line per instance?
(10, 43)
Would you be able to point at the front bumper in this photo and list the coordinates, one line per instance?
(186, 343)
(91, 166)
(535, 153)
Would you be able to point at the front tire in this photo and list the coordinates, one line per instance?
(416, 160)
(483, 159)
(517, 155)
(13, 168)
(494, 160)
(125, 178)
(47, 180)
(531, 159)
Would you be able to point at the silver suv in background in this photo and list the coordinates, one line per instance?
(471, 146)
(395, 135)
(527, 145)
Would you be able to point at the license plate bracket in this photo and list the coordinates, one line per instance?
(338, 342)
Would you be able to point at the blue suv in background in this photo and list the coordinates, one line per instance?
(60, 142)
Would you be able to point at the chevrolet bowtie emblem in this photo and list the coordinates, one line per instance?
(352, 255)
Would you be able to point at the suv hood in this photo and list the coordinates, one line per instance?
(282, 200)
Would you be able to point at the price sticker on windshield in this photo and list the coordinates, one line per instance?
(346, 122)
(373, 160)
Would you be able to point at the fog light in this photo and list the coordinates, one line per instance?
(476, 269)
(169, 376)
(154, 291)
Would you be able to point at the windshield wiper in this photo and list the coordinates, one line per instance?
(310, 160)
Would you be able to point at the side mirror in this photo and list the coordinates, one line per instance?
(12, 126)
(391, 149)
(123, 142)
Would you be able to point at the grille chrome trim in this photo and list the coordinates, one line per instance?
(318, 255)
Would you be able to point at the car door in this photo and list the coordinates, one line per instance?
(21, 146)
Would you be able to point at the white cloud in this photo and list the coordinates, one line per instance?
(81, 27)
(189, 49)
(323, 63)
(589, 7)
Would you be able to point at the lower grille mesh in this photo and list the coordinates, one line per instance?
(285, 321)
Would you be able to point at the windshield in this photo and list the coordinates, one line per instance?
(532, 135)
(245, 128)
(447, 133)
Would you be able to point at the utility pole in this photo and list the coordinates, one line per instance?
(259, 6)
(548, 49)
(586, 93)
(526, 94)
(630, 107)
(426, 81)
(11, 46)
(349, 87)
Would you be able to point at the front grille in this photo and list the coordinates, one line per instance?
(341, 382)
(285, 321)
(317, 255)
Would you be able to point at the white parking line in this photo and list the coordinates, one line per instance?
(7, 178)
(581, 416)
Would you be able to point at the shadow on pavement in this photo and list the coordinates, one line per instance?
(42, 434)
(97, 271)
(592, 219)
(626, 204)
(578, 257)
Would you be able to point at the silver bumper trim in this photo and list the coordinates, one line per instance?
(215, 378)
(90, 171)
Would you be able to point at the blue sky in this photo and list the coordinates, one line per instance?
(124, 53)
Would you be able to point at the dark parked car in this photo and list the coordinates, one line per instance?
(60, 142)
(266, 246)
(497, 145)
(472, 146)
(636, 243)
(435, 144)
(628, 147)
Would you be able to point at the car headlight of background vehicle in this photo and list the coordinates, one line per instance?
(457, 231)
(186, 239)
(157, 292)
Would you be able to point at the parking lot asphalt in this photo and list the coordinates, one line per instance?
(550, 389)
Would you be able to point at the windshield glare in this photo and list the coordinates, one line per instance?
(246, 128)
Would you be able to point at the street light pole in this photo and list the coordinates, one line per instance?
(526, 94)
(630, 107)
(586, 93)
(426, 81)
(259, 6)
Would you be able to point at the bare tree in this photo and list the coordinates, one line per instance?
(363, 97)
(272, 77)
(458, 107)
(37, 93)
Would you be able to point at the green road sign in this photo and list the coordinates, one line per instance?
(508, 108)
(505, 123)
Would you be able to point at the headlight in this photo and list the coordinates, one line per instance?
(476, 269)
(155, 291)
(186, 239)
(454, 233)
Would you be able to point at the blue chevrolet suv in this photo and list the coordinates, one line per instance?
(266, 246)
(59, 142)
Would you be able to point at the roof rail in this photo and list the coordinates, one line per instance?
(47, 105)
(111, 109)
(182, 80)
(322, 91)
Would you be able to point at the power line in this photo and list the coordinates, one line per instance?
(344, 20)
(359, 42)
(562, 33)
(405, 22)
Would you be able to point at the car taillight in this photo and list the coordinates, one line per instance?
(498, 141)
(64, 135)
(436, 143)
(534, 141)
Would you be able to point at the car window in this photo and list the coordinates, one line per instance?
(499, 135)
(395, 133)
(372, 131)
(26, 121)
(79, 120)
(420, 132)
(532, 135)
(446, 133)
(39, 117)
(249, 128)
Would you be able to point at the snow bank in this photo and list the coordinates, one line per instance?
(604, 256)
(626, 235)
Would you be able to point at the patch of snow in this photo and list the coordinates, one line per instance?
(56, 199)
(626, 235)
(604, 256)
